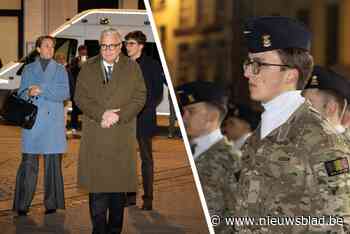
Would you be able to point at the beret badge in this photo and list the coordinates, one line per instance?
(314, 81)
(190, 98)
(266, 40)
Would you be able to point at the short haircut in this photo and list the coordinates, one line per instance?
(40, 40)
(299, 59)
(138, 36)
(328, 95)
(110, 31)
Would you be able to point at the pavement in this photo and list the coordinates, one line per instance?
(177, 208)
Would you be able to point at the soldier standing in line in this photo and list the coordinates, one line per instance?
(330, 105)
(326, 91)
(204, 108)
(291, 166)
(239, 124)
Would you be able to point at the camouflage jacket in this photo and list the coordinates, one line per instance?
(299, 169)
(347, 134)
(218, 169)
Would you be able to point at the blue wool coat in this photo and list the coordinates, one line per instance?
(48, 133)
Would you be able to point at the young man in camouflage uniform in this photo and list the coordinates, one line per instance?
(326, 91)
(330, 105)
(204, 108)
(291, 166)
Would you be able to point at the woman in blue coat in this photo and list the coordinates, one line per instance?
(46, 83)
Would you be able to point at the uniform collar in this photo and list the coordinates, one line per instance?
(203, 143)
(278, 110)
(240, 142)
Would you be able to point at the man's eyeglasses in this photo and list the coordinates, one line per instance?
(110, 46)
(256, 65)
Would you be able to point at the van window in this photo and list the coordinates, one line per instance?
(65, 46)
(93, 47)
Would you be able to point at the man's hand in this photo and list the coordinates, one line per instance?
(109, 118)
(34, 90)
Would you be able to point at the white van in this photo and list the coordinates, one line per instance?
(84, 29)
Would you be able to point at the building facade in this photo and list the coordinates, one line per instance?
(196, 38)
(11, 25)
(202, 39)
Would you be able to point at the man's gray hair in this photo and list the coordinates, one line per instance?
(110, 31)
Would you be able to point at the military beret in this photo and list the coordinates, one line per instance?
(201, 91)
(245, 113)
(325, 78)
(275, 32)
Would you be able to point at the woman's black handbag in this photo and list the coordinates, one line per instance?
(19, 111)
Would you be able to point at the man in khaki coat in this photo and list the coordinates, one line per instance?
(110, 92)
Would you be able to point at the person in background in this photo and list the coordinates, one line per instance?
(329, 104)
(328, 92)
(146, 126)
(73, 72)
(110, 92)
(239, 124)
(60, 58)
(46, 83)
(203, 106)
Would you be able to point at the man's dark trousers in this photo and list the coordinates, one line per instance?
(102, 203)
(145, 144)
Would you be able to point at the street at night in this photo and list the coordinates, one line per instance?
(177, 207)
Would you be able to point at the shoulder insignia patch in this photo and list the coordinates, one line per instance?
(337, 166)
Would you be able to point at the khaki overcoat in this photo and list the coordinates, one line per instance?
(107, 158)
